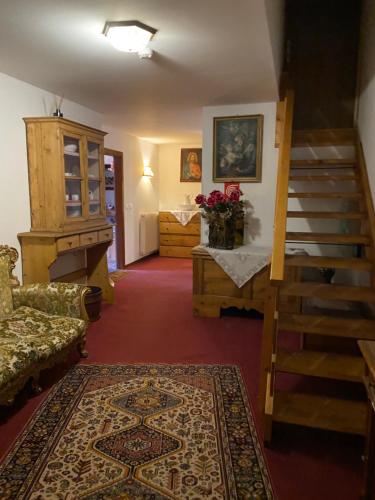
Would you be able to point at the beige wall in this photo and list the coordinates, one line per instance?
(140, 193)
(366, 112)
(171, 191)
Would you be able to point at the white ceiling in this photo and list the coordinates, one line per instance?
(207, 52)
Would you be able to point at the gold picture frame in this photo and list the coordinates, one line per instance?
(237, 148)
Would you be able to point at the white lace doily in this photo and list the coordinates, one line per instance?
(184, 216)
(241, 263)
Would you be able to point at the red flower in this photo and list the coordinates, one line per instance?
(200, 199)
(215, 198)
(235, 195)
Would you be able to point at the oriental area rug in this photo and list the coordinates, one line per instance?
(140, 432)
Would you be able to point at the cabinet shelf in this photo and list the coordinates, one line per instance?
(67, 153)
(73, 178)
(73, 203)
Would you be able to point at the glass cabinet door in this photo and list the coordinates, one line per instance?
(94, 178)
(73, 177)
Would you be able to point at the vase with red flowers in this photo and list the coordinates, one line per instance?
(223, 213)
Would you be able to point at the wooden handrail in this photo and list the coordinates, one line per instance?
(281, 204)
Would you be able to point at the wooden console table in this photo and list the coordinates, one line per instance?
(41, 249)
(368, 352)
(213, 289)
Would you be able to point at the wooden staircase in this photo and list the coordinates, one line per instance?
(326, 325)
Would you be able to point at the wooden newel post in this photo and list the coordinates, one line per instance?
(268, 359)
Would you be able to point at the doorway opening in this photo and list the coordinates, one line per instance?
(114, 199)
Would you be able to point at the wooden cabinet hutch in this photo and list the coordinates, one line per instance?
(67, 199)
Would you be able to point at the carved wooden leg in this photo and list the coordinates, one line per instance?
(35, 387)
(81, 348)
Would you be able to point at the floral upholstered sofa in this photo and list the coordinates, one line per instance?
(39, 325)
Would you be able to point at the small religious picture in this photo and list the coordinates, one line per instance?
(191, 165)
(237, 148)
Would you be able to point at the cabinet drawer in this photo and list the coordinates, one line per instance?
(67, 243)
(88, 238)
(105, 234)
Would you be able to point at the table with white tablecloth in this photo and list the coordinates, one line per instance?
(234, 278)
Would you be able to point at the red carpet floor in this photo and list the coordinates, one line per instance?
(152, 322)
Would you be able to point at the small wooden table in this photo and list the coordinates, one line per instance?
(40, 249)
(368, 352)
(213, 289)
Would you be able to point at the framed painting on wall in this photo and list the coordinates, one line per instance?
(191, 165)
(237, 148)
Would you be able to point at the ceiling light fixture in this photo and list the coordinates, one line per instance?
(128, 36)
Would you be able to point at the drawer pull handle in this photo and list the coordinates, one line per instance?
(70, 243)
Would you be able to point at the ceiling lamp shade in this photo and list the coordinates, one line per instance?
(128, 36)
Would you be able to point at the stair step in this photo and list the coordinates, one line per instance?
(324, 137)
(328, 291)
(356, 328)
(332, 262)
(321, 364)
(324, 163)
(300, 214)
(322, 178)
(320, 412)
(355, 195)
(341, 239)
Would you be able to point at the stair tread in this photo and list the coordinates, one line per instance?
(322, 178)
(325, 215)
(324, 162)
(333, 262)
(328, 291)
(356, 328)
(328, 238)
(324, 137)
(352, 195)
(320, 412)
(321, 364)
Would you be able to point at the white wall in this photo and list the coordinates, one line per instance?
(261, 195)
(19, 99)
(171, 191)
(275, 10)
(366, 113)
(140, 193)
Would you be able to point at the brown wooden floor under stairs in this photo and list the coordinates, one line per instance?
(317, 409)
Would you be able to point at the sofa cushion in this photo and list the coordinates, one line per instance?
(28, 336)
(6, 301)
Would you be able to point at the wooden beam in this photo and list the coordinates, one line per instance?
(278, 254)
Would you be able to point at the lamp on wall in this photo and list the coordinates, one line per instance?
(147, 172)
